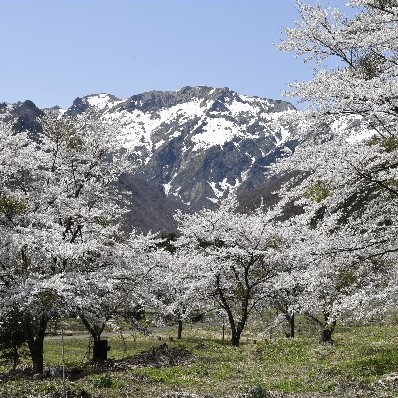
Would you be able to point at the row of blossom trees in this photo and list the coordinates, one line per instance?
(236, 264)
(339, 255)
(62, 247)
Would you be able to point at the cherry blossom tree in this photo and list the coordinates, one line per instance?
(110, 285)
(284, 295)
(174, 289)
(234, 257)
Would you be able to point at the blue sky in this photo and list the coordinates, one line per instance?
(53, 51)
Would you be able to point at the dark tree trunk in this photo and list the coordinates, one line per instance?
(36, 349)
(290, 320)
(235, 338)
(179, 330)
(235, 326)
(236, 332)
(325, 326)
(95, 331)
(327, 331)
(326, 336)
(35, 331)
(100, 350)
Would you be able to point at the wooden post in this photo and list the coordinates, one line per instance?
(63, 362)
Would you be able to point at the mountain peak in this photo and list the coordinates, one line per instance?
(96, 101)
(101, 100)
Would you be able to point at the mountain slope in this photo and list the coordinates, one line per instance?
(193, 146)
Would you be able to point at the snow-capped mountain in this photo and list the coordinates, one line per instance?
(194, 145)
(198, 142)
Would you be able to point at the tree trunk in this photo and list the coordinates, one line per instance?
(290, 320)
(235, 339)
(327, 331)
(95, 331)
(100, 350)
(236, 327)
(179, 329)
(235, 334)
(35, 330)
(326, 336)
(36, 349)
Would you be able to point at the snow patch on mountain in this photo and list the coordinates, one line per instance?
(138, 128)
(101, 101)
(215, 132)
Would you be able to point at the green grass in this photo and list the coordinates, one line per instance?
(359, 357)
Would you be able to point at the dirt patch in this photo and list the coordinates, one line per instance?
(158, 357)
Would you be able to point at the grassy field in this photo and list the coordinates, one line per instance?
(356, 365)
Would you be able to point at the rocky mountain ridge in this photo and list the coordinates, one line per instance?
(194, 145)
